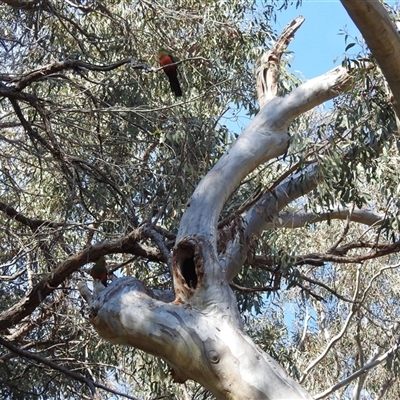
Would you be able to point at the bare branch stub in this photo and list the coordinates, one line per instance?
(267, 72)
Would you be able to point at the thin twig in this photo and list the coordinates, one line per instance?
(78, 377)
(151, 233)
(336, 338)
(358, 373)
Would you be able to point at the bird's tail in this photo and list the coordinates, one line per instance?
(175, 87)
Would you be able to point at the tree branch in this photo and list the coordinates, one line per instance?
(267, 68)
(266, 214)
(359, 373)
(338, 256)
(299, 219)
(29, 5)
(126, 244)
(80, 378)
(381, 37)
(340, 334)
(34, 224)
(302, 277)
(43, 72)
(267, 206)
(150, 232)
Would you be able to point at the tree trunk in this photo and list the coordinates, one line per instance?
(200, 334)
(206, 345)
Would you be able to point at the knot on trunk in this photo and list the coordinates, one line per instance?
(213, 356)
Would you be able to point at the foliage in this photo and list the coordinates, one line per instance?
(93, 145)
(89, 154)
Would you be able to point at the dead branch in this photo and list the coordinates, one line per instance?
(267, 72)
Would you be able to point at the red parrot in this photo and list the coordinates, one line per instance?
(165, 59)
(99, 271)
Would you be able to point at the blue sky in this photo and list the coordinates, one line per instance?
(317, 46)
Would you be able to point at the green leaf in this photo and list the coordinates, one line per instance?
(349, 46)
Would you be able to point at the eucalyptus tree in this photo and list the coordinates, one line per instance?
(259, 265)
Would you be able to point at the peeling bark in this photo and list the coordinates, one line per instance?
(267, 72)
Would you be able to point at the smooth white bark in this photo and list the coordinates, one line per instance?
(200, 334)
(197, 344)
(264, 139)
(300, 219)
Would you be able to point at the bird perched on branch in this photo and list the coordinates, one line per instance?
(99, 271)
(165, 59)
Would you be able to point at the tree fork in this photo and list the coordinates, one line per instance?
(200, 334)
(204, 346)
